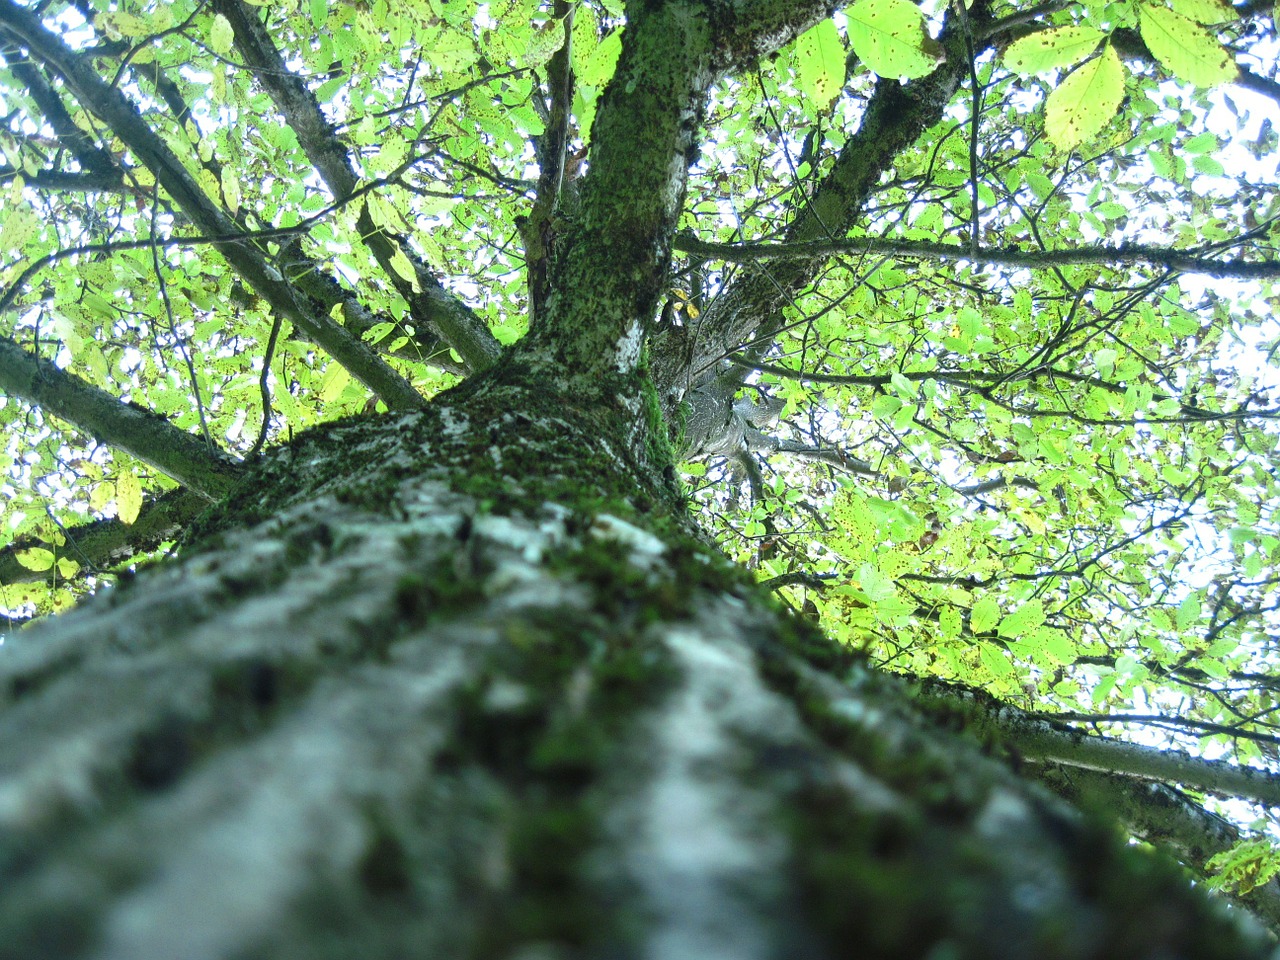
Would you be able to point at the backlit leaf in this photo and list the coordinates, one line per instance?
(221, 35)
(35, 558)
(1050, 49)
(128, 497)
(1085, 101)
(819, 60)
(1205, 11)
(890, 38)
(1184, 48)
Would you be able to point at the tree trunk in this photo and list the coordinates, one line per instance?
(465, 682)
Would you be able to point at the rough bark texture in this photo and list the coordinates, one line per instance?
(464, 682)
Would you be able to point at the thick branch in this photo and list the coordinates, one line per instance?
(97, 165)
(150, 438)
(608, 268)
(432, 306)
(114, 109)
(1184, 261)
(1040, 739)
(107, 543)
(1165, 817)
(895, 117)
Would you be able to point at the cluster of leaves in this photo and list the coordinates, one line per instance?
(1058, 483)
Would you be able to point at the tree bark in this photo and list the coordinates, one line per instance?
(466, 682)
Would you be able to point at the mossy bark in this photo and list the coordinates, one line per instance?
(466, 682)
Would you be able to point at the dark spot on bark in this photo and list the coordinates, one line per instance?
(160, 754)
(311, 542)
(384, 867)
(465, 528)
(262, 684)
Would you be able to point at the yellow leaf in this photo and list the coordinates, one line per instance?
(402, 265)
(221, 35)
(128, 497)
(35, 558)
(334, 382)
(889, 37)
(1205, 11)
(1051, 49)
(819, 62)
(1184, 48)
(1085, 101)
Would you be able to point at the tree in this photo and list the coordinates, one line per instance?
(470, 674)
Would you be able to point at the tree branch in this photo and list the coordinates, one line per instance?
(1166, 817)
(107, 543)
(896, 115)
(1184, 261)
(145, 435)
(114, 109)
(430, 305)
(1041, 739)
(97, 166)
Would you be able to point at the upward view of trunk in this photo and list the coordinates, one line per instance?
(465, 678)
(465, 682)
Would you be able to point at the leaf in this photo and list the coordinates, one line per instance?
(984, 615)
(1205, 11)
(450, 51)
(1188, 612)
(403, 266)
(1184, 48)
(1051, 49)
(599, 63)
(995, 661)
(221, 35)
(121, 24)
(1023, 620)
(890, 38)
(874, 583)
(819, 60)
(230, 189)
(1085, 101)
(334, 382)
(128, 497)
(35, 558)
(541, 44)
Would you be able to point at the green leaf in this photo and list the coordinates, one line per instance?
(598, 64)
(1205, 11)
(35, 558)
(1051, 49)
(333, 382)
(450, 51)
(1188, 612)
(984, 615)
(874, 583)
(221, 36)
(890, 38)
(885, 405)
(541, 44)
(128, 497)
(1085, 101)
(1184, 48)
(1023, 620)
(995, 660)
(819, 60)
(402, 265)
